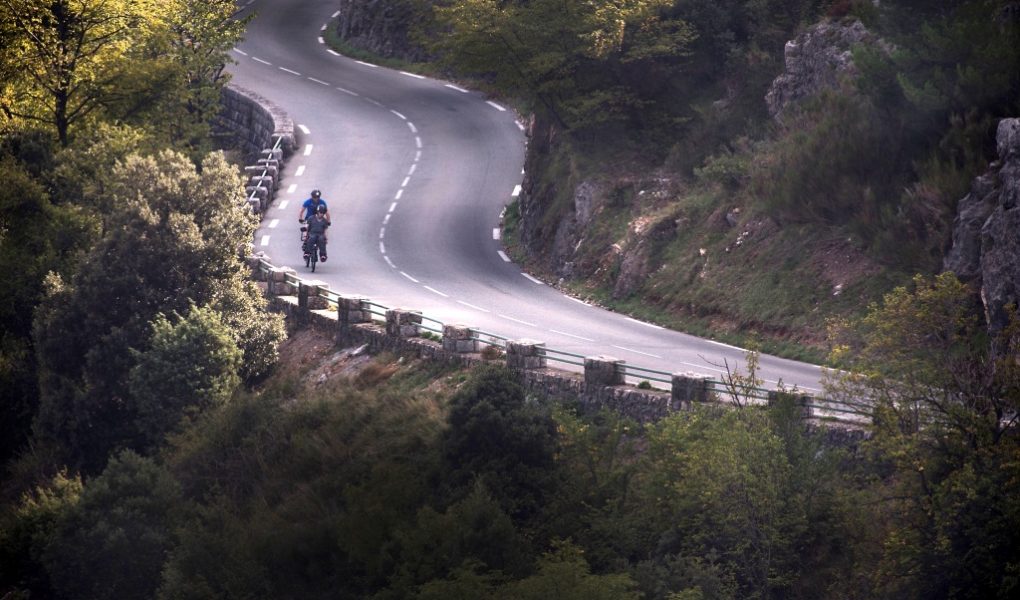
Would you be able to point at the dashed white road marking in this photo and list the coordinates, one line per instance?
(643, 323)
(519, 125)
(417, 156)
(400, 193)
(318, 81)
(393, 207)
(332, 51)
(382, 232)
(291, 71)
(516, 320)
(324, 26)
(495, 233)
(571, 335)
(382, 248)
(706, 367)
(375, 102)
(469, 305)
(399, 116)
(386, 219)
(411, 170)
(389, 262)
(409, 277)
(411, 126)
(274, 223)
(322, 41)
(361, 62)
(636, 351)
(516, 192)
(415, 75)
(417, 142)
(578, 301)
(405, 182)
(300, 171)
(459, 89)
(265, 62)
(241, 52)
(335, 15)
(282, 205)
(347, 91)
(496, 106)
(503, 255)
(530, 278)
(265, 241)
(304, 129)
(435, 291)
(308, 149)
(291, 188)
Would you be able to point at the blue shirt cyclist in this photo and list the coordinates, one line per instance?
(310, 206)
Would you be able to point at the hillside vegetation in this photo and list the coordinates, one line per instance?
(161, 436)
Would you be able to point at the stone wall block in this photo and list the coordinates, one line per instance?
(262, 181)
(277, 278)
(457, 338)
(688, 389)
(311, 294)
(603, 371)
(803, 401)
(525, 354)
(402, 323)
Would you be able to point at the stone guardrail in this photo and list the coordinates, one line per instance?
(351, 321)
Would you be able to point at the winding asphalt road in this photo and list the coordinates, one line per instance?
(416, 173)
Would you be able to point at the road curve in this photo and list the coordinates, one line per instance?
(416, 173)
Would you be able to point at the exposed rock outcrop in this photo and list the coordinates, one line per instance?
(816, 60)
(986, 233)
(382, 26)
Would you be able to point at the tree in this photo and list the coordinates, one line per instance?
(173, 242)
(114, 541)
(499, 439)
(944, 396)
(70, 55)
(191, 365)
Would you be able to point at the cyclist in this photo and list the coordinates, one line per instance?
(316, 229)
(310, 206)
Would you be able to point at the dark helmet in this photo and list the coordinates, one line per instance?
(316, 194)
(321, 210)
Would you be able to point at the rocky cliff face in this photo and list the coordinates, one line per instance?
(382, 26)
(818, 59)
(986, 232)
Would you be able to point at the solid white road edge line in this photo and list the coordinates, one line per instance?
(389, 262)
(409, 277)
(332, 51)
(415, 75)
(503, 255)
(578, 301)
(643, 323)
(459, 89)
(725, 345)
(361, 62)
(530, 278)
(496, 106)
